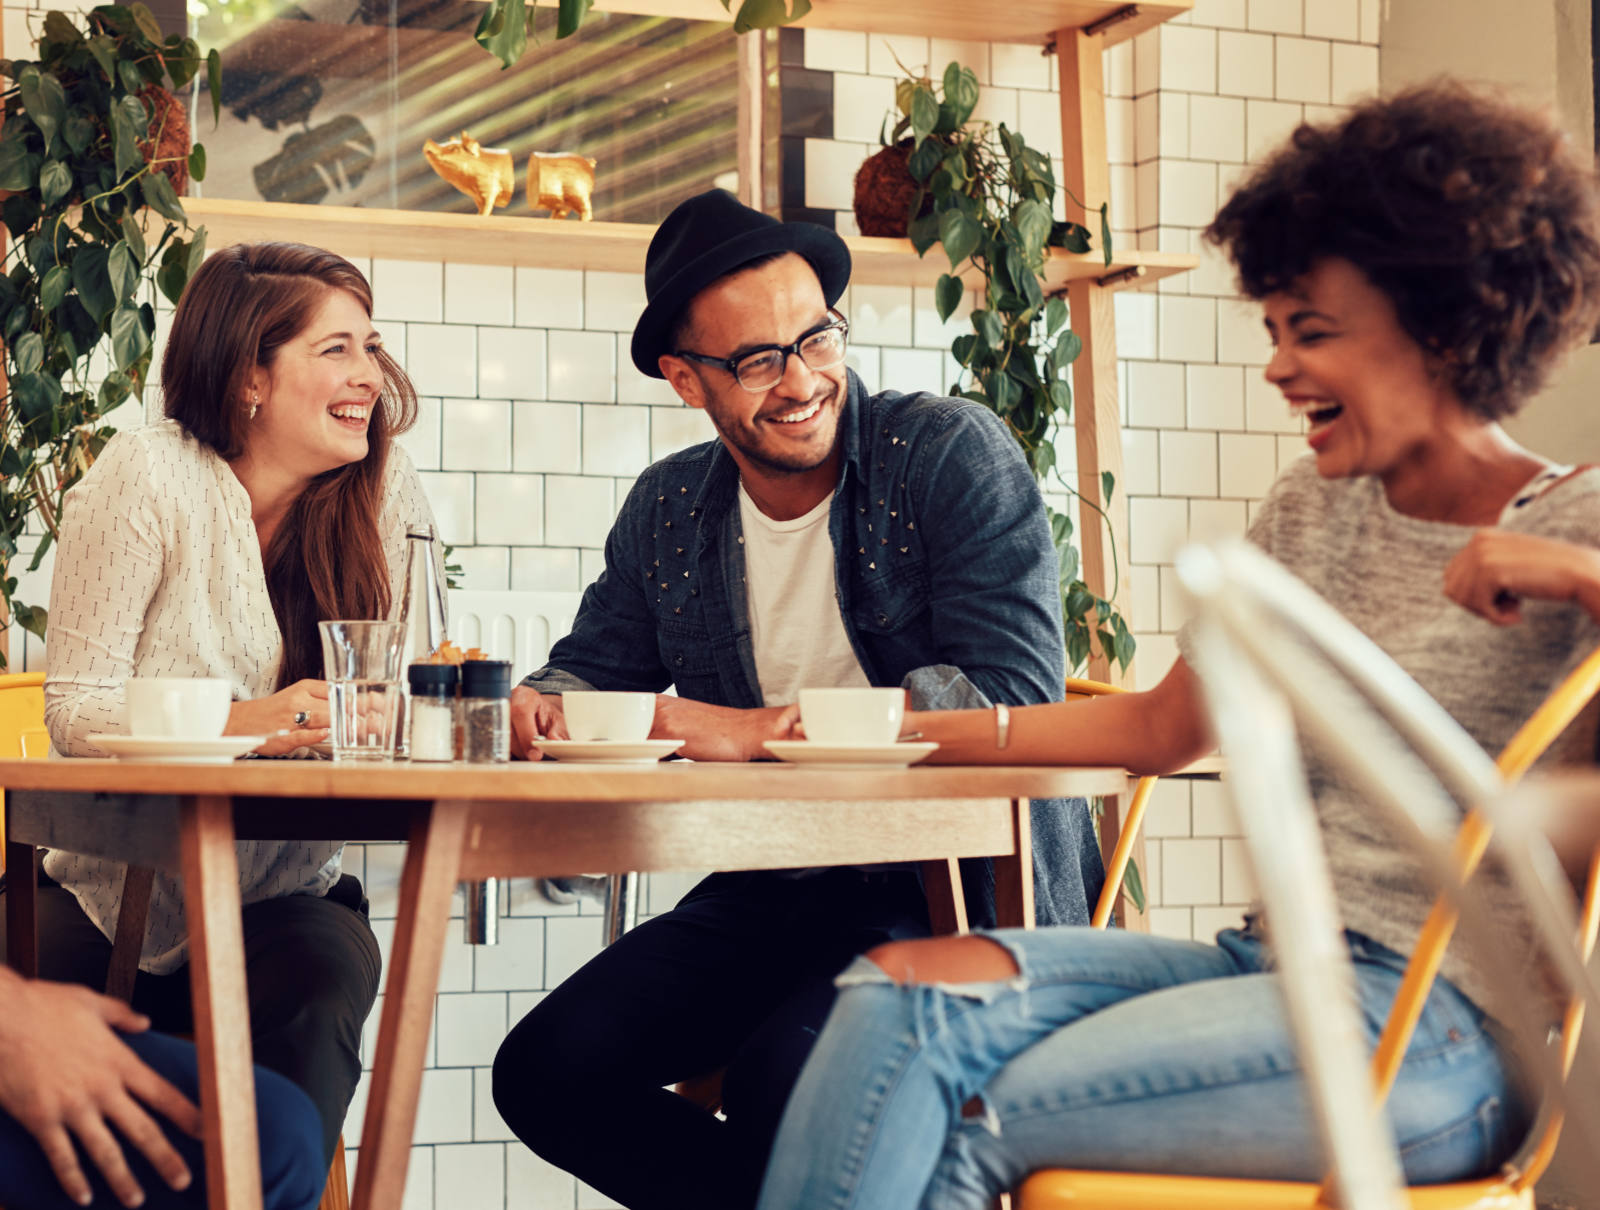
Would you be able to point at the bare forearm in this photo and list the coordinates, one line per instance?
(1156, 731)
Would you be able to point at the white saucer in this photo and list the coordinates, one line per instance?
(218, 751)
(610, 751)
(848, 756)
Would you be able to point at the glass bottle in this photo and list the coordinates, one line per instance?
(433, 711)
(422, 612)
(486, 711)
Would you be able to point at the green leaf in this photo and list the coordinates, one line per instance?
(55, 182)
(58, 27)
(158, 191)
(1108, 483)
(114, 390)
(104, 51)
(1066, 351)
(173, 274)
(987, 325)
(214, 83)
(1127, 645)
(923, 232)
(93, 282)
(125, 136)
(32, 618)
(960, 92)
(571, 14)
(11, 463)
(963, 347)
(78, 132)
(947, 295)
(133, 234)
(53, 289)
(924, 112)
(1033, 225)
(44, 102)
(146, 21)
(197, 162)
(18, 169)
(759, 14)
(1061, 396)
(196, 254)
(36, 397)
(925, 159)
(960, 236)
(1071, 236)
(1105, 232)
(1055, 315)
(502, 31)
(123, 270)
(132, 79)
(129, 340)
(28, 352)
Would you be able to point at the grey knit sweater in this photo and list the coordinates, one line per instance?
(1384, 572)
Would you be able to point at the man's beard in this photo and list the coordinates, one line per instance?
(796, 463)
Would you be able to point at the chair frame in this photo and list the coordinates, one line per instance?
(1256, 627)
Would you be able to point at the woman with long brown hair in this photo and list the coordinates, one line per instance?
(209, 545)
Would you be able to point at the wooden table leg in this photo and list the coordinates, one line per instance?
(433, 862)
(221, 1006)
(22, 889)
(1013, 876)
(1112, 817)
(947, 901)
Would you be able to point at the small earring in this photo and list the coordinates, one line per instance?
(255, 406)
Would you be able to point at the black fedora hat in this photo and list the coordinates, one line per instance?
(709, 236)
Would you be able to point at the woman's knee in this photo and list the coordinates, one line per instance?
(967, 959)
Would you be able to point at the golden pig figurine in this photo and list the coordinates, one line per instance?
(561, 182)
(482, 173)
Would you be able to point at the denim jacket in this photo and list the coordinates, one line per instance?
(945, 574)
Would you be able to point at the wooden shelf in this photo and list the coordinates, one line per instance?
(615, 247)
(962, 20)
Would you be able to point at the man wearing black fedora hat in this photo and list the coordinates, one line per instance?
(828, 537)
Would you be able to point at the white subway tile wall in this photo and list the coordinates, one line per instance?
(533, 423)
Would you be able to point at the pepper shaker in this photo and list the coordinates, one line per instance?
(486, 711)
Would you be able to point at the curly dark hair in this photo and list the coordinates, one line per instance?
(1475, 216)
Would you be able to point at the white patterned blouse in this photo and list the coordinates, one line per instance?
(159, 573)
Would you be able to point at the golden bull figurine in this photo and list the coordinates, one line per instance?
(482, 173)
(561, 182)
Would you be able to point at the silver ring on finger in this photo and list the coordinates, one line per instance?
(301, 717)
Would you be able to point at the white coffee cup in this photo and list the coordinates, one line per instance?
(593, 715)
(852, 716)
(178, 707)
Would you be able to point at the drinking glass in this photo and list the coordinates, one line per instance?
(362, 661)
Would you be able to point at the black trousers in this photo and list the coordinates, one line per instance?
(737, 976)
(311, 969)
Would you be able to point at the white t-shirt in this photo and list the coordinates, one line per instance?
(795, 627)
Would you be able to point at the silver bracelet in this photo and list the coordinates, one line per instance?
(1002, 725)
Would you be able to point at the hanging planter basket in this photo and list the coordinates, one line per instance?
(168, 117)
(885, 191)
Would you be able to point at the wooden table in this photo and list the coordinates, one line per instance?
(468, 822)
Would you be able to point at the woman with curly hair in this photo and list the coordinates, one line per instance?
(1421, 264)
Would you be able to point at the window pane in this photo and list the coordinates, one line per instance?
(330, 103)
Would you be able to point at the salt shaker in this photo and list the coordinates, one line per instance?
(433, 711)
(486, 711)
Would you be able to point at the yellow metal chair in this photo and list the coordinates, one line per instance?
(22, 733)
(1512, 1188)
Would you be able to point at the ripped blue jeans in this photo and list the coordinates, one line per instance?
(1110, 1050)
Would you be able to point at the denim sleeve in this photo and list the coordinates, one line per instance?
(994, 578)
(613, 641)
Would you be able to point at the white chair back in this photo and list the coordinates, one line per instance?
(510, 625)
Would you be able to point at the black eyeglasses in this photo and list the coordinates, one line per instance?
(763, 368)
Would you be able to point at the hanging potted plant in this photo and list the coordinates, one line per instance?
(94, 153)
(988, 200)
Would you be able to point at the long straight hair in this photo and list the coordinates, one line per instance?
(245, 303)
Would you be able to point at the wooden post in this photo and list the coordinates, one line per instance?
(752, 102)
(1094, 374)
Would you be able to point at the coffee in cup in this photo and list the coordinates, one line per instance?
(177, 707)
(852, 716)
(594, 715)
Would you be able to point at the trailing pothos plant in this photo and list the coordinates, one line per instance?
(988, 199)
(85, 156)
(506, 25)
